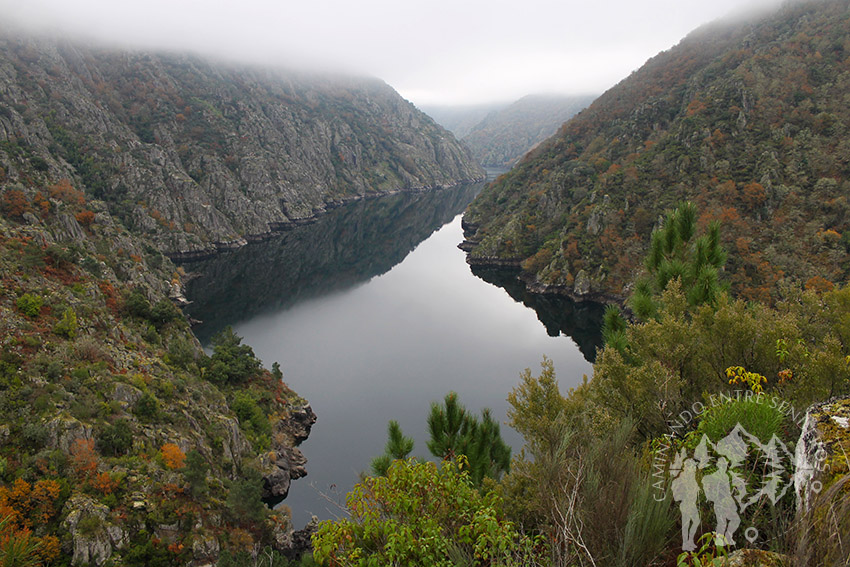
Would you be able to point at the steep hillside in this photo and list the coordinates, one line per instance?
(121, 442)
(748, 120)
(507, 134)
(198, 155)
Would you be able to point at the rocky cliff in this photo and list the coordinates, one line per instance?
(199, 155)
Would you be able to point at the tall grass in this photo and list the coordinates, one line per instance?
(822, 534)
(759, 419)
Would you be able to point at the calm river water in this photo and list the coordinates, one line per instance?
(373, 314)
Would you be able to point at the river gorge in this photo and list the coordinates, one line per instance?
(373, 313)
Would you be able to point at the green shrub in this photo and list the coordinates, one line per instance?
(54, 370)
(34, 436)
(420, 502)
(30, 305)
(116, 439)
(67, 326)
(245, 502)
(252, 419)
(231, 361)
(181, 353)
(151, 336)
(195, 473)
(92, 266)
(164, 312)
(138, 305)
(147, 407)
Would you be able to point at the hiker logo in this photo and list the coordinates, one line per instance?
(724, 473)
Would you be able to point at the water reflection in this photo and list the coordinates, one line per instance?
(581, 321)
(342, 249)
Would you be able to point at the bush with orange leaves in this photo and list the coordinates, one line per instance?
(84, 459)
(173, 457)
(85, 217)
(24, 507)
(65, 192)
(104, 483)
(14, 203)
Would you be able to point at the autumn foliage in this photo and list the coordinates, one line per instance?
(173, 457)
(65, 192)
(84, 459)
(85, 218)
(14, 203)
(23, 508)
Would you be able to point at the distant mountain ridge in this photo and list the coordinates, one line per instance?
(746, 119)
(506, 135)
(200, 155)
(500, 134)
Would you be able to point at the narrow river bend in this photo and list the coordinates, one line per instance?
(373, 313)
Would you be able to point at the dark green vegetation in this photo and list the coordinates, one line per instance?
(195, 154)
(454, 432)
(746, 120)
(398, 447)
(121, 442)
(675, 255)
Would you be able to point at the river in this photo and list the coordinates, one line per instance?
(373, 313)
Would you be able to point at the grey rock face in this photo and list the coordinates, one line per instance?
(825, 433)
(582, 283)
(63, 431)
(286, 462)
(200, 155)
(95, 543)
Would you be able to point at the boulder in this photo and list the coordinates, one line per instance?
(755, 558)
(821, 456)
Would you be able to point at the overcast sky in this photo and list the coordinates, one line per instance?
(431, 51)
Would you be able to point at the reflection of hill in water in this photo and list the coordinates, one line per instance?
(347, 246)
(581, 321)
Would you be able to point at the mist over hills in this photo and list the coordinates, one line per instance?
(500, 134)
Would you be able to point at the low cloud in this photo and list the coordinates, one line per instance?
(432, 51)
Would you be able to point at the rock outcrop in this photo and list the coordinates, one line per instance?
(285, 462)
(822, 455)
(93, 534)
(822, 483)
(203, 156)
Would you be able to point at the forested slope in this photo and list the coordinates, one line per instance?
(747, 120)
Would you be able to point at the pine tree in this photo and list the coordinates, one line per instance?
(398, 447)
(675, 254)
(456, 432)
